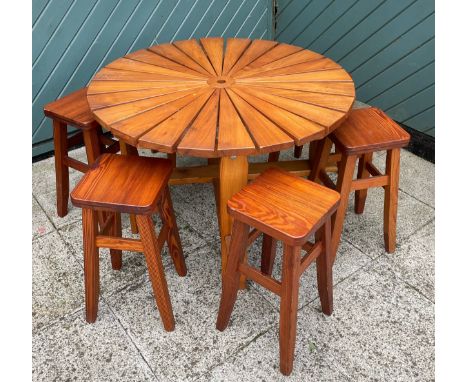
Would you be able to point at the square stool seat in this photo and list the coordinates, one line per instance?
(283, 206)
(73, 109)
(128, 184)
(368, 130)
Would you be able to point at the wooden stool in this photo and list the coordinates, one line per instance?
(282, 207)
(73, 110)
(128, 184)
(364, 132)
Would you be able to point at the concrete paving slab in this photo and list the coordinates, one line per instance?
(57, 280)
(260, 362)
(414, 261)
(73, 350)
(381, 329)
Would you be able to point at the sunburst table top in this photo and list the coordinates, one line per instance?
(216, 97)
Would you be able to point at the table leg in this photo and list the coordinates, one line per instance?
(126, 149)
(233, 172)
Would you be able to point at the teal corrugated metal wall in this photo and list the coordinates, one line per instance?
(72, 39)
(387, 46)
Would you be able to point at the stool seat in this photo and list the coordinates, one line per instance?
(284, 206)
(368, 130)
(73, 109)
(128, 184)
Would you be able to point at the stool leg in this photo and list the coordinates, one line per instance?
(361, 195)
(116, 254)
(126, 149)
(93, 150)
(173, 238)
(91, 264)
(156, 270)
(62, 182)
(318, 157)
(173, 158)
(391, 199)
(288, 306)
(274, 156)
(324, 269)
(231, 275)
(297, 151)
(343, 186)
(268, 254)
(233, 175)
(91, 140)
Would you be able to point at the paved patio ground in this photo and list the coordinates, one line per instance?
(382, 328)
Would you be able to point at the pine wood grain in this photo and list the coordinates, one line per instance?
(265, 96)
(284, 206)
(136, 183)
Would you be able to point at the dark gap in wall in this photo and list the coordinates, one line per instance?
(421, 144)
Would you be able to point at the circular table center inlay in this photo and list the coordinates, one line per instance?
(220, 82)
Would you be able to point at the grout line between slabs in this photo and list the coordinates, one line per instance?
(45, 213)
(403, 279)
(415, 198)
(409, 236)
(130, 339)
(56, 321)
(236, 352)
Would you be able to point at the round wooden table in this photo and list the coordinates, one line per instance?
(214, 98)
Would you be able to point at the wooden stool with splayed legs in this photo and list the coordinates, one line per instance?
(365, 131)
(73, 110)
(291, 209)
(128, 184)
